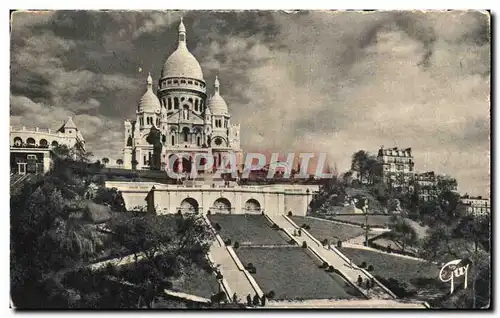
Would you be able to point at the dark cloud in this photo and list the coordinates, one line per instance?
(310, 80)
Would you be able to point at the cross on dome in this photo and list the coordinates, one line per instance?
(216, 85)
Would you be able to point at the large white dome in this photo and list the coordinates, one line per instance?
(182, 63)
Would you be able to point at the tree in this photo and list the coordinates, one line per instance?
(119, 162)
(105, 160)
(46, 241)
(465, 238)
(162, 246)
(359, 163)
(403, 232)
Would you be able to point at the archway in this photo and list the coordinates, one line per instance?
(252, 206)
(186, 164)
(18, 142)
(222, 205)
(55, 144)
(189, 205)
(30, 141)
(43, 142)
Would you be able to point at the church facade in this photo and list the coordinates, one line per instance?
(180, 118)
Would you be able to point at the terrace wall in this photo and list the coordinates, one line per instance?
(273, 200)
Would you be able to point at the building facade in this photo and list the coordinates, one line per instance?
(180, 118)
(31, 149)
(476, 206)
(397, 166)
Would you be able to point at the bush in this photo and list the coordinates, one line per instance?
(389, 249)
(331, 269)
(228, 242)
(219, 297)
(275, 226)
(179, 212)
(324, 265)
(236, 244)
(363, 265)
(304, 244)
(325, 242)
(270, 295)
(290, 213)
(111, 269)
(218, 227)
(370, 268)
(292, 242)
(251, 268)
(339, 244)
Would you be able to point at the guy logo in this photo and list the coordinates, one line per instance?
(454, 269)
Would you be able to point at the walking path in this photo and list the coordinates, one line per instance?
(332, 303)
(235, 276)
(332, 257)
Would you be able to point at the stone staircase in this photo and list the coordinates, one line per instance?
(334, 258)
(236, 279)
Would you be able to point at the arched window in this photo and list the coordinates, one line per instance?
(169, 103)
(198, 141)
(43, 142)
(185, 132)
(176, 103)
(55, 144)
(158, 122)
(173, 140)
(196, 105)
(129, 141)
(190, 101)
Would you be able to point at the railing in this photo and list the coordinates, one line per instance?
(30, 146)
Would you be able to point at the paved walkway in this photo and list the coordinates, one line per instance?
(330, 303)
(333, 258)
(235, 278)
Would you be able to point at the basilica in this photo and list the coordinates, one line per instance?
(180, 117)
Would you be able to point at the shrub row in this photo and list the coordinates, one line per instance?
(364, 265)
(251, 268)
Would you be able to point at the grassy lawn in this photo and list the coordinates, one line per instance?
(332, 231)
(373, 220)
(293, 274)
(248, 229)
(419, 276)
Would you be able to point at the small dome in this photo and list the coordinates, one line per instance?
(216, 103)
(182, 63)
(149, 101)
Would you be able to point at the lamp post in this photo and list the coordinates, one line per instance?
(219, 278)
(365, 208)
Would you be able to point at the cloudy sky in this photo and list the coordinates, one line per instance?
(310, 81)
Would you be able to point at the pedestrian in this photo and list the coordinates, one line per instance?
(372, 282)
(294, 232)
(235, 298)
(249, 300)
(256, 300)
(263, 300)
(300, 232)
(367, 284)
(360, 280)
(350, 263)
